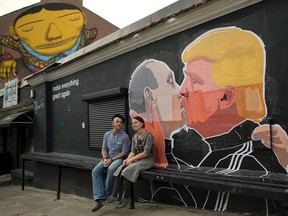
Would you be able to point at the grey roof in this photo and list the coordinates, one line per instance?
(179, 16)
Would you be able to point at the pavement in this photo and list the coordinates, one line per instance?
(38, 202)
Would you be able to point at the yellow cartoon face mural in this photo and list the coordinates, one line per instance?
(43, 35)
(49, 32)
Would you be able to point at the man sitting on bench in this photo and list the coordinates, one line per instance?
(116, 146)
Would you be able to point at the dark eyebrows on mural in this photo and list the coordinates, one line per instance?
(30, 23)
(69, 14)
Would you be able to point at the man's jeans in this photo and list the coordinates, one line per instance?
(102, 190)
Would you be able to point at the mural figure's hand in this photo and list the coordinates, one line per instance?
(279, 141)
(154, 127)
(7, 68)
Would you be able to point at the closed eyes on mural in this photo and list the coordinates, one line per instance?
(43, 35)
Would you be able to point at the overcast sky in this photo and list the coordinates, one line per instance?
(119, 12)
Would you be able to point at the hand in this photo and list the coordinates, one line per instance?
(7, 68)
(128, 162)
(279, 141)
(124, 162)
(107, 162)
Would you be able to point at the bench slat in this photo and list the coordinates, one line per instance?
(269, 190)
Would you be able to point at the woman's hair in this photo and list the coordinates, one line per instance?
(139, 118)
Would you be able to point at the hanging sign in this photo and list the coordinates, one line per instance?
(10, 97)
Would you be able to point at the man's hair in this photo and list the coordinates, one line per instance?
(119, 116)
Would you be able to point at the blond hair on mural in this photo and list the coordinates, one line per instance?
(238, 58)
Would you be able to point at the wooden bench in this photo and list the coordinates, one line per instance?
(61, 161)
(273, 186)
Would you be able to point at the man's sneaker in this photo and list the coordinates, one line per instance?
(111, 199)
(98, 205)
(123, 203)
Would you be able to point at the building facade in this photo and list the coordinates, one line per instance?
(207, 76)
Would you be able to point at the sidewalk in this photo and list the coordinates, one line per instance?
(38, 202)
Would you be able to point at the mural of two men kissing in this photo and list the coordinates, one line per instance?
(215, 119)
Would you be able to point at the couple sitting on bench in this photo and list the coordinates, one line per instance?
(115, 146)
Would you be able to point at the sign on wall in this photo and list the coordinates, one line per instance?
(10, 93)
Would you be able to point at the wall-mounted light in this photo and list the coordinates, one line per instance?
(32, 93)
(136, 35)
(172, 19)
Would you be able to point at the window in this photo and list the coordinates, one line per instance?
(100, 114)
(101, 107)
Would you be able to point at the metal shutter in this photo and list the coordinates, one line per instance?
(100, 114)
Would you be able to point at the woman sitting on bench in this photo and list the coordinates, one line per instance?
(139, 159)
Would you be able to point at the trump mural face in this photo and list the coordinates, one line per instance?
(201, 95)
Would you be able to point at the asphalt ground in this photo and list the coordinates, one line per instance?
(38, 202)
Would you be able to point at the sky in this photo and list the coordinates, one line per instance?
(119, 12)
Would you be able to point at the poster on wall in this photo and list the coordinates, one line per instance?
(10, 97)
